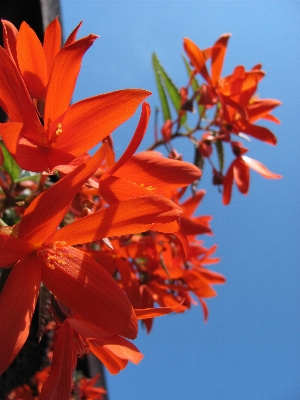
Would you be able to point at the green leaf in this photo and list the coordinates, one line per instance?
(161, 91)
(171, 89)
(10, 164)
(28, 177)
(220, 152)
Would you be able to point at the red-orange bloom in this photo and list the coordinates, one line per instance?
(145, 173)
(239, 172)
(196, 225)
(76, 336)
(40, 252)
(235, 92)
(49, 132)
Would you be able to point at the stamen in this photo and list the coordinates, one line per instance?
(58, 130)
(148, 187)
(43, 138)
(51, 256)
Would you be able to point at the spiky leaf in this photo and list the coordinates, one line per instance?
(170, 87)
(10, 164)
(161, 91)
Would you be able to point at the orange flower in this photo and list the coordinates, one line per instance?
(87, 389)
(240, 120)
(197, 225)
(199, 57)
(21, 393)
(235, 92)
(42, 253)
(239, 172)
(145, 173)
(48, 132)
(77, 336)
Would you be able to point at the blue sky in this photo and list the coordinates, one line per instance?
(250, 347)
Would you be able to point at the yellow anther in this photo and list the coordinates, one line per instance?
(150, 188)
(49, 262)
(43, 138)
(58, 130)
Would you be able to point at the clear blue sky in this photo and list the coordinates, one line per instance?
(250, 347)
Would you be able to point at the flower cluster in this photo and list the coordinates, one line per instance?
(103, 241)
(227, 107)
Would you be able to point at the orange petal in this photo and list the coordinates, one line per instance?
(88, 290)
(136, 139)
(58, 385)
(260, 133)
(63, 77)
(14, 97)
(205, 309)
(227, 185)
(260, 168)
(251, 79)
(52, 43)
(183, 241)
(114, 189)
(197, 58)
(260, 108)
(118, 346)
(17, 304)
(13, 249)
(113, 363)
(130, 216)
(144, 313)
(85, 328)
(73, 34)
(190, 205)
(10, 34)
(270, 117)
(160, 173)
(212, 277)
(46, 211)
(217, 57)
(89, 121)
(198, 285)
(28, 155)
(241, 175)
(196, 226)
(32, 62)
(169, 227)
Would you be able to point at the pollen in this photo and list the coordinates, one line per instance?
(150, 188)
(58, 130)
(43, 137)
(52, 256)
